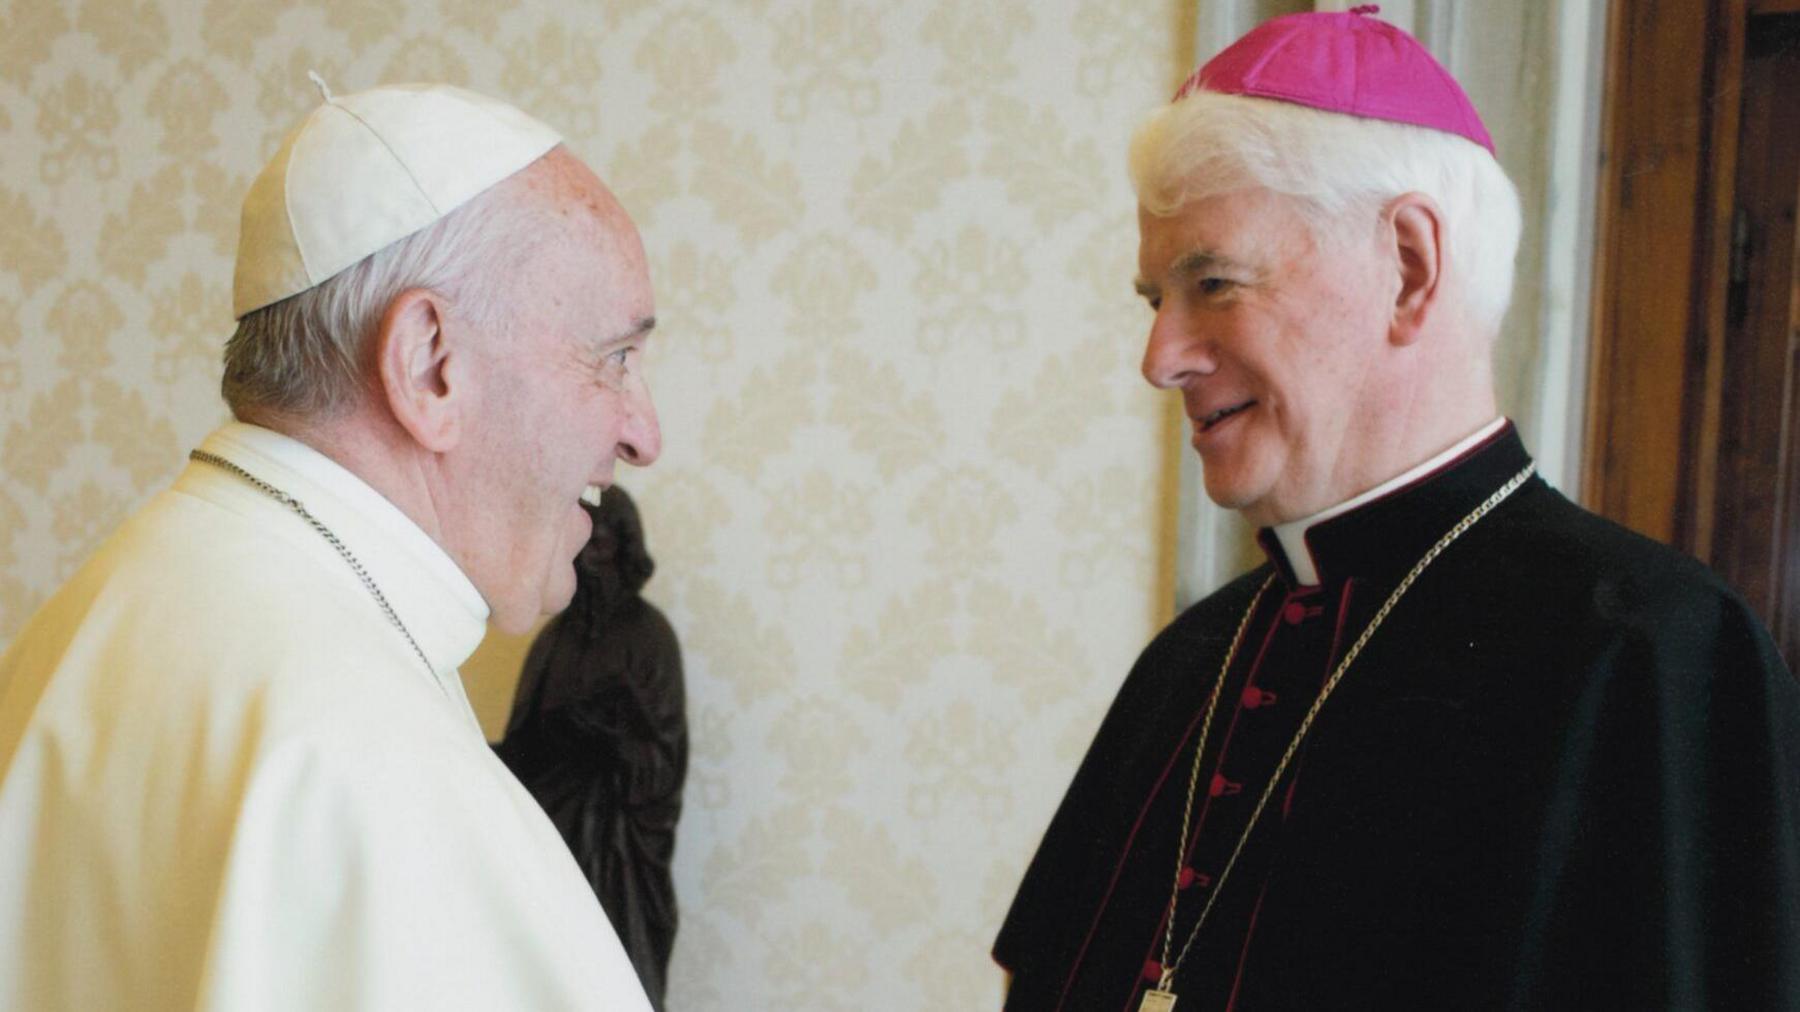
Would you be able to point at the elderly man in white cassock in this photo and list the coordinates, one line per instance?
(1457, 744)
(237, 766)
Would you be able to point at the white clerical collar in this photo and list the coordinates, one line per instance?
(434, 598)
(1291, 536)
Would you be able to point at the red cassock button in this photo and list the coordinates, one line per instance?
(1152, 970)
(1255, 697)
(1222, 786)
(1189, 878)
(1294, 612)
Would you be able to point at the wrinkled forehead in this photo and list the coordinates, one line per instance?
(1252, 224)
(582, 227)
(573, 196)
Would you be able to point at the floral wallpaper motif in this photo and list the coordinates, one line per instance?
(906, 517)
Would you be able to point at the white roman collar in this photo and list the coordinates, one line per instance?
(1291, 536)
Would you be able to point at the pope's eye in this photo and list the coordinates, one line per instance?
(615, 367)
(617, 360)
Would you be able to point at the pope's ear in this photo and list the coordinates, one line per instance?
(420, 369)
(1418, 236)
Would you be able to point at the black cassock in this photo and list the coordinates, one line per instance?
(1563, 774)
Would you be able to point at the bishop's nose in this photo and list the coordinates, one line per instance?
(1175, 353)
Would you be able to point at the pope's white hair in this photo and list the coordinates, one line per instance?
(308, 356)
(1342, 170)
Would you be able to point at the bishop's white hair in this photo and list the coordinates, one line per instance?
(1342, 170)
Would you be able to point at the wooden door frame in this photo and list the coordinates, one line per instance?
(1668, 151)
(1680, 398)
(1668, 166)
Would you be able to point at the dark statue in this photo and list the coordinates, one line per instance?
(598, 734)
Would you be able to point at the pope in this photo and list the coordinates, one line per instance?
(237, 766)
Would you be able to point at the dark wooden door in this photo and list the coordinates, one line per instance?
(1693, 430)
(1756, 528)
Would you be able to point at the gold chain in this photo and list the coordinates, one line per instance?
(1337, 674)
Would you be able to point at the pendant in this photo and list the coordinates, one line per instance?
(1157, 1000)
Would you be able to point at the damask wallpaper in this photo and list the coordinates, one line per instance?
(908, 514)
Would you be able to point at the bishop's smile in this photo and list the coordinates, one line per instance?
(1209, 421)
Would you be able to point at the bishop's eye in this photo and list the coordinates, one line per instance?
(1212, 286)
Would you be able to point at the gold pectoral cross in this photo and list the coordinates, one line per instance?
(1157, 1000)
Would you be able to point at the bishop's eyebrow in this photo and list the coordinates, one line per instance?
(1186, 267)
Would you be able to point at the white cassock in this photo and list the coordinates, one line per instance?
(228, 782)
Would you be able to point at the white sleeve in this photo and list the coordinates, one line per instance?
(404, 871)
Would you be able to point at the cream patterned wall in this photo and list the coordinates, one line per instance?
(908, 515)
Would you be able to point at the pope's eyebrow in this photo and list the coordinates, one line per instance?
(641, 328)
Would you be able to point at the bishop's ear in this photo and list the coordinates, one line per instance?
(1418, 236)
(420, 369)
